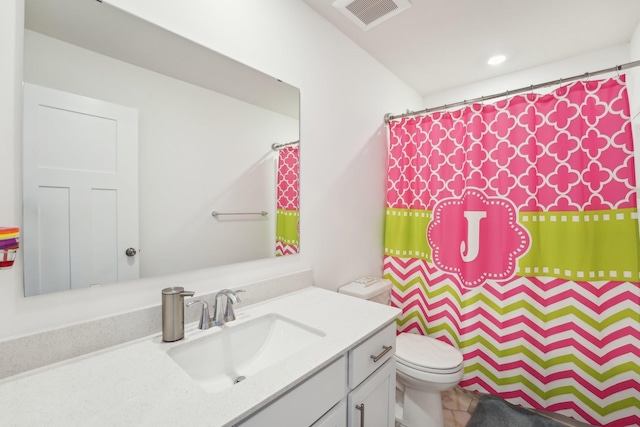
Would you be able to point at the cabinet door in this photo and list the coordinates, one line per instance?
(336, 417)
(372, 403)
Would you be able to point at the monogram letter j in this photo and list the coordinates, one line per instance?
(472, 246)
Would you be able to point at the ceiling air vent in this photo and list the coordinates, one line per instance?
(369, 13)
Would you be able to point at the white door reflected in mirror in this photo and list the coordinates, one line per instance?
(80, 167)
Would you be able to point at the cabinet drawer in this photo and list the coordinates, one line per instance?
(371, 354)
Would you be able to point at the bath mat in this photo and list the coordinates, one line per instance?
(492, 411)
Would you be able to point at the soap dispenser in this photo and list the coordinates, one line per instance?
(173, 313)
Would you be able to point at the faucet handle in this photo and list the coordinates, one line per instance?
(239, 291)
(229, 314)
(205, 319)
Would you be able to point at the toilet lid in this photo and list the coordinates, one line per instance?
(427, 354)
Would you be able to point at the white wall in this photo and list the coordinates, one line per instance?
(634, 74)
(187, 136)
(344, 96)
(634, 95)
(573, 66)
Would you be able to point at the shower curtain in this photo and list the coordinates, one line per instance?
(512, 233)
(288, 201)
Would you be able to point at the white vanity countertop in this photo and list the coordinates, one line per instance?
(138, 384)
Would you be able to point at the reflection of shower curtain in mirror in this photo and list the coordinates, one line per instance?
(512, 234)
(288, 202)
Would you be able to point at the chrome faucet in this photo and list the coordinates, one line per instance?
(220, 316)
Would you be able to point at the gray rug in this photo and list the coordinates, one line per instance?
(495, 412)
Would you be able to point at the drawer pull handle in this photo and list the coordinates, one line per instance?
(387, 349)
(361, 409)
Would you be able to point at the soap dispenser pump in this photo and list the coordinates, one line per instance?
(173, 313)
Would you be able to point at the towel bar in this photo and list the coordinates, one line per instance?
(216, 214)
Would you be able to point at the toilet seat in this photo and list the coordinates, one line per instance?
(427, 354)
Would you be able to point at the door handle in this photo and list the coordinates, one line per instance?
(130, 252)
(360, 408)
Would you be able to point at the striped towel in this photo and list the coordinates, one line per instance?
(9, 237)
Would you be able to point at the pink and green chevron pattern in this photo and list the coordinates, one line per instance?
(512, 233)
(547, 343)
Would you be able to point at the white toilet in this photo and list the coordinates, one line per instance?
(424, 366)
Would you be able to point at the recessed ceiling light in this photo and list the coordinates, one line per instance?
(495, 60)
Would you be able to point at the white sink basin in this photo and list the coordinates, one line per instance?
(236, 351)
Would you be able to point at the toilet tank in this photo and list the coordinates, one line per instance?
(372, 289)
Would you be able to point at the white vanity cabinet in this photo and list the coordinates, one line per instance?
(362, 378)
(372, 381)
(317, 385)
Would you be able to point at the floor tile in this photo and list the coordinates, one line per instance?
(456, 399)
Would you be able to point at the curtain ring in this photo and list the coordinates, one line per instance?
(618, 68)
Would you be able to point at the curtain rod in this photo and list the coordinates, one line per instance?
(388, 117)
(276, 146)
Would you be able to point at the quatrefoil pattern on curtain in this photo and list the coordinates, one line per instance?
(557, 152)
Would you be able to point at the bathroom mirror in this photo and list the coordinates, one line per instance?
(185, 131)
